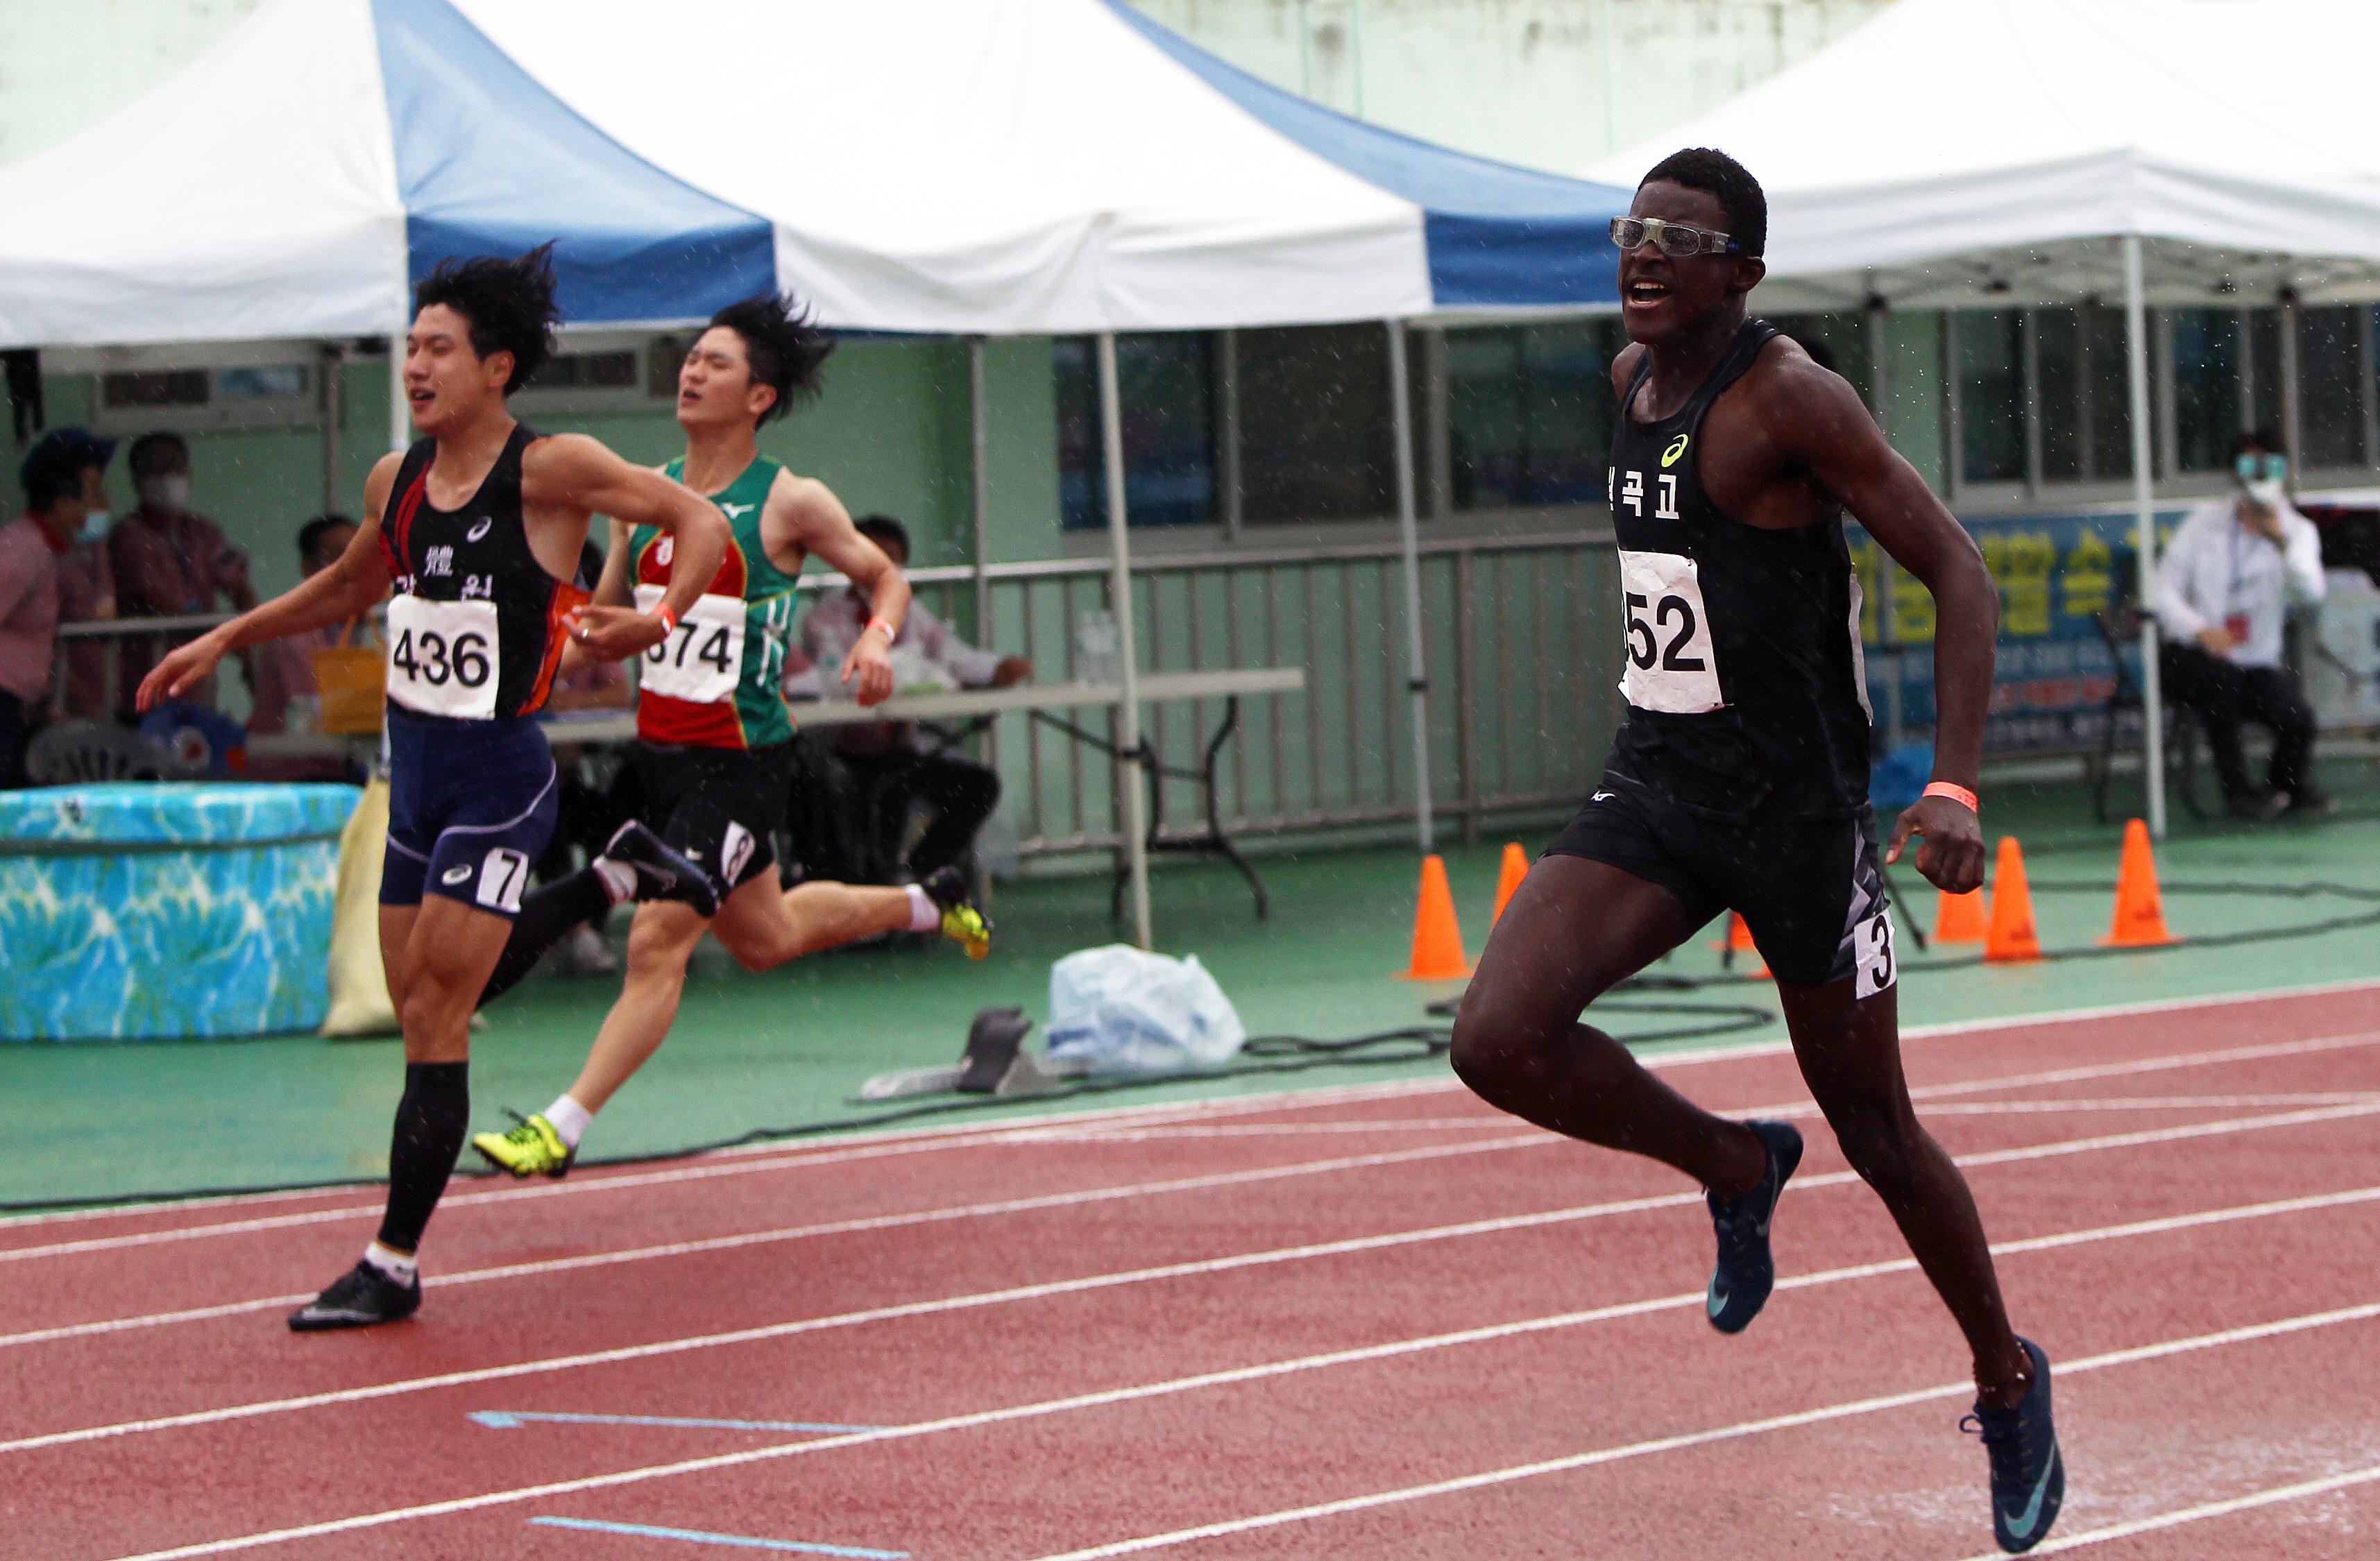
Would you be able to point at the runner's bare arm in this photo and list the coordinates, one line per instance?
(574, 472)
(1829, 432)
(352, 583)
(804, 516)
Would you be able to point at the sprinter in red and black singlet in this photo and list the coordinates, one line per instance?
(475, 557)
(1739, 782)
(475, 633)
(713, 761)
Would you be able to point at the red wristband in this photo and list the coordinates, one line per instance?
(884, 624)
(1956, 794)
(669, 620)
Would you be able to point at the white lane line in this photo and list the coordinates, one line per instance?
(936, 1136)
(1300, 1099)
(1524, 1141)
(1695, 1439)
(1342, 1247)
(2134, 1103)
(1253, 1373)
(833, 1227)
(846, 1152)
(2274, 1496)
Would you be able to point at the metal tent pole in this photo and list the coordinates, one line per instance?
(979, 477)
(400, 415)
(1416, 668)
(2136, 345)
(330, 363)
(1135, 844)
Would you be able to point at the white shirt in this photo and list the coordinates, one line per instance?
(835, 624)
(2215, 571)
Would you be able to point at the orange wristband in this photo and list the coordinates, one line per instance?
(884, 624)
(1956, 794)
(669, 620)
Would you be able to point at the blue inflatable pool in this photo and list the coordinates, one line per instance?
(136, 911)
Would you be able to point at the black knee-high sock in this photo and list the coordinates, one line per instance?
(430, 1121)
(547, 912)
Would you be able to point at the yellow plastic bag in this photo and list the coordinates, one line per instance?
(359, 1002)
(353, 680)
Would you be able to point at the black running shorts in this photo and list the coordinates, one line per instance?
(718, 807)
(1811, 893)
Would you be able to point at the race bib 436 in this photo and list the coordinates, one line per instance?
(442, 657)
(702, 658)
(1670, 666)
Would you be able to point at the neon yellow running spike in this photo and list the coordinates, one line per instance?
(534, 1148)
(965, 925)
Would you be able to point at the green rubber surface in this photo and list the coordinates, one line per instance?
(787, 1046)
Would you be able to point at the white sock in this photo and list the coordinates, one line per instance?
(393, 1264)
(619, 879)
(924, 914)
(569, 1119)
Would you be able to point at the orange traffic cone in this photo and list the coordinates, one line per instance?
(1438, 939)
(1516, 867)
(1738, 941)
(2140, 909)
(2012, 935)
(1960, 918)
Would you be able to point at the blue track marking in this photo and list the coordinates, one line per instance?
(506, 1419)
(698, 1537)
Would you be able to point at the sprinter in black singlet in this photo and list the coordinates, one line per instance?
(480, 528)
(1739, 782)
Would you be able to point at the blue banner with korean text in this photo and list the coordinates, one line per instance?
(2060, 576)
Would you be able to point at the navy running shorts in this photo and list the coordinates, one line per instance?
(1811, 892)
(471, 806)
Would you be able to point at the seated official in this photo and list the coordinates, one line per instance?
(287, 698)
(2223, 590)
(892, 771)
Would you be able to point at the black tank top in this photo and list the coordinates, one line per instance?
(475, 630)
(1746, 684)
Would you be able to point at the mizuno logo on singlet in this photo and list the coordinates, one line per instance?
(1670, 457)
(735, 512)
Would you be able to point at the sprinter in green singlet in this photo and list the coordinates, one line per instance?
(714, 752)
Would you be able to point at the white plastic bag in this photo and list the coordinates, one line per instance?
(1119, 1010)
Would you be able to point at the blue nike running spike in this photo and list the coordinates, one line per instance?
(2028, 1474)
(1746, 1272)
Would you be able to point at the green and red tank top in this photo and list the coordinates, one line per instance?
(715, 681)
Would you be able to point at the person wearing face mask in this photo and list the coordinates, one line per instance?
(87, 593)
(169, 560)
(60, 474)
(2226, 583)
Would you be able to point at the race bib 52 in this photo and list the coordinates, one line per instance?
(1670, 666)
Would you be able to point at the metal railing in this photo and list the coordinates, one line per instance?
(1523, 653)
(1522, 648)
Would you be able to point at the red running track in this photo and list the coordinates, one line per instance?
(1344, 1322)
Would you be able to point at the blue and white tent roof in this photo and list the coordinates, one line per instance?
(292, 180)
(1002, 166)
(1032, 165)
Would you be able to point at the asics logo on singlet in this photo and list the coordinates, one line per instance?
(735, 512)
(478, 530)
(1676, 451)
(455, 874)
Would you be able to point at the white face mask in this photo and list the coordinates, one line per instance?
(170, 492)
(2266, 491)
(94, 526)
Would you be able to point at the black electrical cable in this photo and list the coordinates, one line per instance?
(1271, 1055)
(1295, 1054)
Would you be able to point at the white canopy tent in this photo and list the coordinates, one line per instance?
(1990, 153)
(966, 166)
